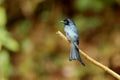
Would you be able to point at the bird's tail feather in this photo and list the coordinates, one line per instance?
(74, 54)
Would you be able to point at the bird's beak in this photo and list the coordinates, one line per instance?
(62, 21)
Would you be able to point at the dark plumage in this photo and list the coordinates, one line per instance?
(72, 35)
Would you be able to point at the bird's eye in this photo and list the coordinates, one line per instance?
(66, 22)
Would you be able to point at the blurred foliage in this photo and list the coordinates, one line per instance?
(3, 17)
(92, 22)
(1, 2)
(5, 38)
(5, 66)
(7, 41)
(95, 5)
(28, 29)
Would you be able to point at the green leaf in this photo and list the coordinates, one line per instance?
(5, 66)
(7, 41)
(3, 19)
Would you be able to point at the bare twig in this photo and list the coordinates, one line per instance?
(111, 72)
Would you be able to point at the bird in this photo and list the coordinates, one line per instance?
(72, 35)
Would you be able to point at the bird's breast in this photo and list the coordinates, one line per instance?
(71, 34)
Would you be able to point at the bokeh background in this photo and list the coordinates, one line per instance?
(30, 49)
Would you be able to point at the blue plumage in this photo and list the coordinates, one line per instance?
(72, 35)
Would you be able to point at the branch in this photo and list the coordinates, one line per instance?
(111, 72)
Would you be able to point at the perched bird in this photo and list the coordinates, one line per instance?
(72, 35)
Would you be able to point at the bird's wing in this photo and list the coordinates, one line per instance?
(72, 33)
(74, 29)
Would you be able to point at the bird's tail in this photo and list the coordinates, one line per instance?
(74, 54)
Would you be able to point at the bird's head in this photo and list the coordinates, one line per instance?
(67, 21)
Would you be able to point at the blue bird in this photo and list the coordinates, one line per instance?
(72, 35)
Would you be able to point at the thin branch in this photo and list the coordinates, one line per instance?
(111, 72)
